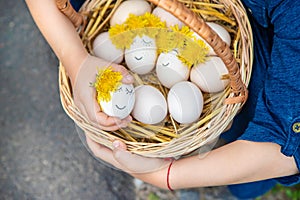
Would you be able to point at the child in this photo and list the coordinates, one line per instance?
(264, 141)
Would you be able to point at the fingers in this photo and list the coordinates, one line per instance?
(127, 77)
(122, 159)
(102, 152)
(111, 123)
(135, 163)
(119, 144)
(85, 95)
(104, 121)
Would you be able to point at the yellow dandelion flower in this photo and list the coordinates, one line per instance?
(147, 24)
(166, 40)
(117, 29)
(135, 22)
(202, 50)
(153, 21)
(194, 52)
(107, 81)
(123, 40)
(181, 35)
(184, 30)
(120, 36)
(154, 24)
(152, 32)
(190, 50)
(123, 35)
(139, 32)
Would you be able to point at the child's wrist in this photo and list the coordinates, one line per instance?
(77, 64)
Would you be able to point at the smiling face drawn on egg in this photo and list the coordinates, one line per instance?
(170, 70)
(121, 103)
(123, 92)
(141, 56)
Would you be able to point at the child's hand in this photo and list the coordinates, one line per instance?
(85, 94)
(126, 161)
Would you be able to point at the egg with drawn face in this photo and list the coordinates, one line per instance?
(121, 103)
(170, 69)
(142, 54)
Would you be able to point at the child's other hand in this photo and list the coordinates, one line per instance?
(85, 94)
(126, 161)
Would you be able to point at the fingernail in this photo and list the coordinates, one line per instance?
(129, 78)
(116, 144)
(128, 119)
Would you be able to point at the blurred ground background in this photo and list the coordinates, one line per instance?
(41, 155)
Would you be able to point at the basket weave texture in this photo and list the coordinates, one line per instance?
(173, 139)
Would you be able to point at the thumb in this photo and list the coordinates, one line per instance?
(127, 77)
(135, 163)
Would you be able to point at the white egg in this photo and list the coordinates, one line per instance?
(170, 70)
(167, 17)
(221, 31)
(208, 75)
(121, 103)
(185, 102)
(142, 54)
(104, 48)
(135, 7)
(150, 105)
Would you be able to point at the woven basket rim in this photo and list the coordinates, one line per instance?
(192, 139)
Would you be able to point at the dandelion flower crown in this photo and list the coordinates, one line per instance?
(167, 39)
(191, 51)
(107, 81)
(122, 35)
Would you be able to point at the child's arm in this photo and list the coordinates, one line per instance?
(80, 66)
(238, 162)
(59, 33)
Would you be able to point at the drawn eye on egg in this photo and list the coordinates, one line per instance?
(120, 89)
(147, 42)
(169, 65)
(142, 54)
(129, 91)
(121, 103)
(123, 91)
(144, 42)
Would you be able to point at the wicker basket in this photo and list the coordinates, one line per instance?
(173, 139)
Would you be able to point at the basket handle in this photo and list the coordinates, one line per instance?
(198, 25)
(65, 7)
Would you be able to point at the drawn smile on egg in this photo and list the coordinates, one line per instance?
(138, 58)
(120, 108)
(123, 90)
(165, 64)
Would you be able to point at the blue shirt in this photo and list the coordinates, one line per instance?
(272, 112)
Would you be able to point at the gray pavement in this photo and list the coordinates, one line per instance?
(41, 155)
